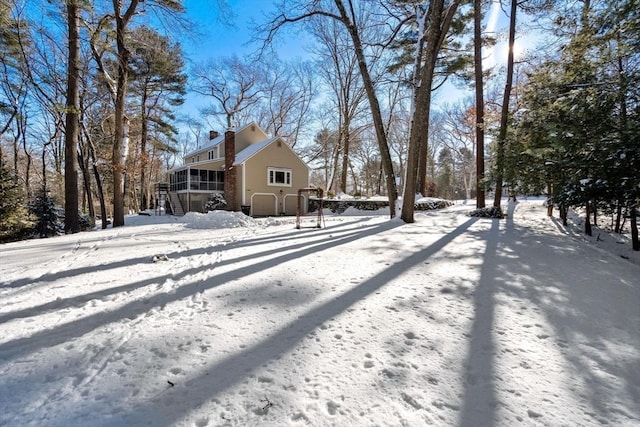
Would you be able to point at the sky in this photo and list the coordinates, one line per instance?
(225, 320)
(217, 37)
(225, 35)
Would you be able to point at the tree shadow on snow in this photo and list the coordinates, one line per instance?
(171, 235)
(479, 399)
(59, 334)
(589, 326)
(237, 367)
(79, 300)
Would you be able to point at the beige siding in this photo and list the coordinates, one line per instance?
(247, 136)
(275, 155)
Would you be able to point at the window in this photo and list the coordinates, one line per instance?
(279, 177)
(198, 179)
(213, 154)
(179, 180)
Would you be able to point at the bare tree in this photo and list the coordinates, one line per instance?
(339, 71)
(287, 89)
(232, 82)
(324, 153)
(459, 139)
(344, 13)
(398, 125)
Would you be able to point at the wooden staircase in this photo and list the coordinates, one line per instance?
(163, 195)
(176, 206)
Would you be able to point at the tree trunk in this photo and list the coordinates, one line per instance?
(44, 166)
(378, 123)
(117, 156)
(16, 156)
(504, 114)
(477, 45)
(423, 140)
(86, 180)
(334, 169)
(635, 243)
(618, 217)
(21, 136)
(439, 23)
(99, 189)
(345, 157)
(121, 128)
(71, 222)
(587, 220)
(563, 214)
(144, 189)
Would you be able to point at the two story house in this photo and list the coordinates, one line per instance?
(257, 174)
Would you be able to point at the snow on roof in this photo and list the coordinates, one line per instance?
(218, 140)
(207, 145)
(252, 149)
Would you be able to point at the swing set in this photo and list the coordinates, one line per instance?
(299, 211)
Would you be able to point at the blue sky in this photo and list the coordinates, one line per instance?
(218, 39)
(213, 38)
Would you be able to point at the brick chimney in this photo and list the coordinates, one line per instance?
(213, 134)
(230, 170)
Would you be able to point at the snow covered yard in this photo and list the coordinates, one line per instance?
(223, 320)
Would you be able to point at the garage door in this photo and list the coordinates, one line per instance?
(263, 205)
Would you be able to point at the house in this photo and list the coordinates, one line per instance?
(257, 174)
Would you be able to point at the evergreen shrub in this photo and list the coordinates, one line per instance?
(216, 202)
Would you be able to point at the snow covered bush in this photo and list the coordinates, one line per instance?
(85, 221)
(430, 203)
(216, 202)
(492, 212)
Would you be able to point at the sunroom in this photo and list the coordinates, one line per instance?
(193, 186)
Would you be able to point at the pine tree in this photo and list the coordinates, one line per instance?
(47, 221)
(15, 221)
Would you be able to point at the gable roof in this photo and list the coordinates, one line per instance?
(252, 150)
(219, 140)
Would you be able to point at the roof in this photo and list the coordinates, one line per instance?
(209, 144)
(252, 150)
(216, 141)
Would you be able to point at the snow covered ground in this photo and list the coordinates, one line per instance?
(223, 320)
